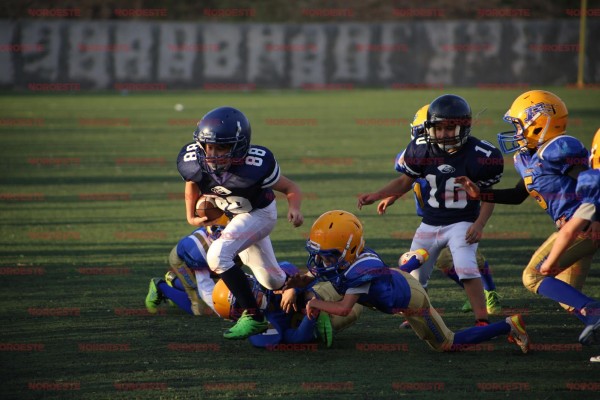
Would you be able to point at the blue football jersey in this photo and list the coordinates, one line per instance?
(192, 249)
(444, 201)
(588, 187)
(389, 291)
(243, 187)
(544, 174)
(418, 187)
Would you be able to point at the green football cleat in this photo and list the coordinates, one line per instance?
(518, 334)
(246, 326)
(169, 278)
(492, 302)
(154, 296)
(324, 329)
(466, 307)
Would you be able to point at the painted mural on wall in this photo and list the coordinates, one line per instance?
(171, 55)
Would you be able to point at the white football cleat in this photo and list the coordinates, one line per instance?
(421, 254)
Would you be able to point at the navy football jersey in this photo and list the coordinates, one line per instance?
(389, 291)
(444, 201)
(243, 187)
(545, 175)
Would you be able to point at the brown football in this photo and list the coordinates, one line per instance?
(206, 207)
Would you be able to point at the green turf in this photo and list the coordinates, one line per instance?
(91, 204)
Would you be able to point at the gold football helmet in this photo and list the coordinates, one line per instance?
(335, 240)
(417, 127)
(538, 116)
(595, 151)
(225, 303)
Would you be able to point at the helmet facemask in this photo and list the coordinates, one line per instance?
(328, 264)
(223, 126)
(436, 134)
(538, 117)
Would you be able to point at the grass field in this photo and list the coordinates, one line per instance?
(91, 204)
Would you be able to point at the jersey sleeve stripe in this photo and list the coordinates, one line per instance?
(273, 178)
(202, 242)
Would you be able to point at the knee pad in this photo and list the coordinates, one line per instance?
(532, 279)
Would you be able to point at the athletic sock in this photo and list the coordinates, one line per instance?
(177, 296)
(562, 292)
(486, 277)
(237, 283)
(478, 334)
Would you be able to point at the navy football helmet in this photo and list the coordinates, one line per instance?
(450, 111)
(223, 126)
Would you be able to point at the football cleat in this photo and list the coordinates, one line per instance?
(169, 278)
(421, 254)
(154, 296)
(324, 329)
(492, 302)
(405, 325)
(246, 326)
(466, 307)
(595, 359)
(591, 333)
(518, 334)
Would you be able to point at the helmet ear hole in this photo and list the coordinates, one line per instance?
(537, 131)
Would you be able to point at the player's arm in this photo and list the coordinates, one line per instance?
(515, 195)
(205, 286)
(565, 237)
(341, 308)
(294, 198)
(192, 194)
(396, 187)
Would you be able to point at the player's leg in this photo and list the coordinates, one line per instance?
(424, 319)
(427, 237)
(585, 308)
(243, 231)
(179, 297)
(492, 299)
(186, 281)
(260, 258)
(513, 326)
(465, 264)
(445, 263)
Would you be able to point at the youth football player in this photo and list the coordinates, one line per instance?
(450, 218)
(241, 177)
(549, 162)
(284, 310)
(338, 254)
(444, 262)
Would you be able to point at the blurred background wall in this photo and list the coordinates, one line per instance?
(238, 45)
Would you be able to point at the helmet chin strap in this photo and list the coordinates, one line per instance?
(543, 135)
